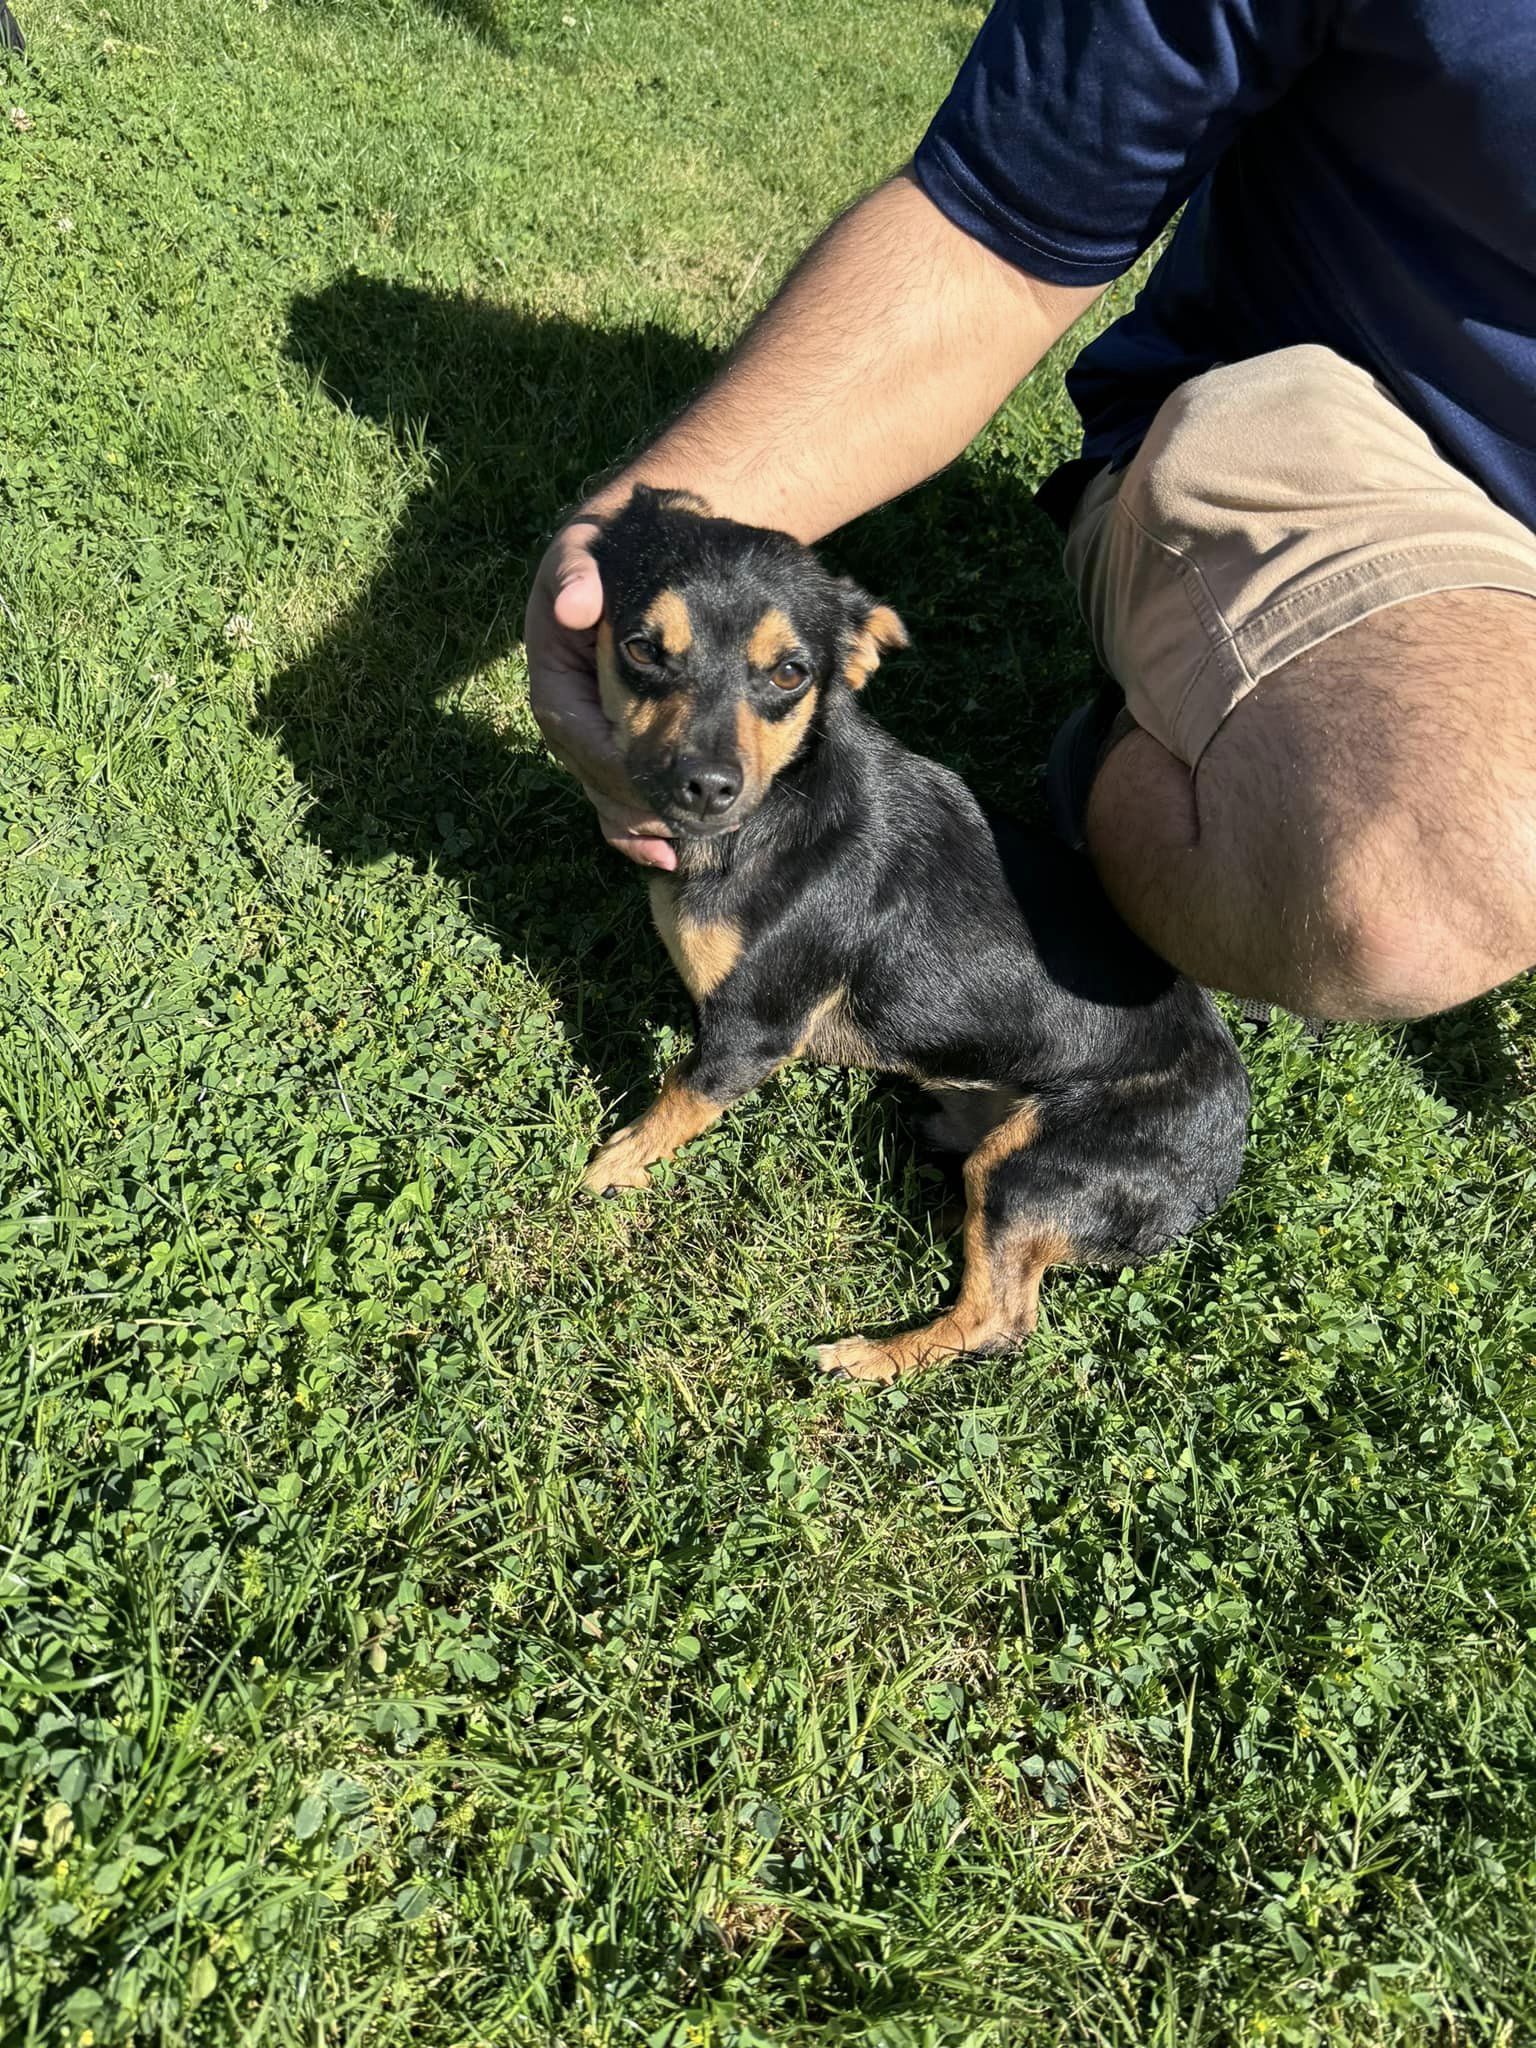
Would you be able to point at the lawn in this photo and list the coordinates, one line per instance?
(436, 1613)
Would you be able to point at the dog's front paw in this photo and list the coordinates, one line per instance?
(857, 1358)
(618, 1164)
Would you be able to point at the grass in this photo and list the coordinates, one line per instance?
(433, 1615)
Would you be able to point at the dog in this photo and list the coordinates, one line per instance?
(838, 898)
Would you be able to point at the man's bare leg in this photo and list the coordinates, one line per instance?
(1359, 839)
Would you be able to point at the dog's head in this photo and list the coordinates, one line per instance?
(718, 645)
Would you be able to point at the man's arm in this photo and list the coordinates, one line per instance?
(887, 349)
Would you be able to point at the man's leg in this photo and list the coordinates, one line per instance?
(1359, 838)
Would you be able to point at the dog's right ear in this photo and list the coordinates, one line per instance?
(871, 630)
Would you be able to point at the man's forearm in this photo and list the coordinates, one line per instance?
(888, 348)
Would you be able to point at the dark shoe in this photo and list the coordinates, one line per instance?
(1077, 752)
(11, 37)
(1313, 1029)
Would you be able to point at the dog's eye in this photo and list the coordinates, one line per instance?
(642, 652)
(789, 675)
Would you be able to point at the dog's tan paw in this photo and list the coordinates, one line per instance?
(857, 1358)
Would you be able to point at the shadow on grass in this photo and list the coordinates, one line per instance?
(1464, 1057)
(517, 413)
(479, 18)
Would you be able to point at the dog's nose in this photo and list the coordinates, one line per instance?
(706, 788)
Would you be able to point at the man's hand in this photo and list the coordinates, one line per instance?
(560, 631)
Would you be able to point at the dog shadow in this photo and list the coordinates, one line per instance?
(517, 412)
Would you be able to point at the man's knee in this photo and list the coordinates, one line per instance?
(1359, 839)
(1385, 783)
(1362, 957)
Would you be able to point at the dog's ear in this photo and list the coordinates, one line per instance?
(645, 504)
(869, 630)
(667, 498)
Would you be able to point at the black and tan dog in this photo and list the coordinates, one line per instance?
(840, 899)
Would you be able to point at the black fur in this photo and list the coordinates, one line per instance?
(971, 950)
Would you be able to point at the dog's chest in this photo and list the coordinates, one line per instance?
(705, 943)
(703, 948)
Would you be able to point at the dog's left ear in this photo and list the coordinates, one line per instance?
(871, 630)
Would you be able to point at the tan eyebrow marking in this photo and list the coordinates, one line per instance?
(667, 620)
(772, 638)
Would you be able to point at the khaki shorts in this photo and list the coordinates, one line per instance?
(1273, 503)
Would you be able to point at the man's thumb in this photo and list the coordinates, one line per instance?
(578, 588)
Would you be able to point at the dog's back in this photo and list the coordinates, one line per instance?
(979, 955)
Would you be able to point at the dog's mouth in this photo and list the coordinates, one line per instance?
(683, 825)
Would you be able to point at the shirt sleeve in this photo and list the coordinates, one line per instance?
(1077, 128)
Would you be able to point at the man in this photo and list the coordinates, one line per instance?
(1305, 543)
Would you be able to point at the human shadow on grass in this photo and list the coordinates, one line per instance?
(518, 411)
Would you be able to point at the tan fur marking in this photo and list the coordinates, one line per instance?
(663, 892)
(999, 1290)
(618, 702)
(772, 638)
(633, 717)
(703, 954)
(1011, 1135)
(710, 951)
(668, 621)
(658, 719)
(881, 631)
(676, 1115)
(831, 1038)
(766, 747)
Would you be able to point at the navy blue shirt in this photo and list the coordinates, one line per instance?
(1360, 173)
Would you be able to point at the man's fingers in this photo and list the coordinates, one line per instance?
(565, 605)
(564, 700)
(578, 587)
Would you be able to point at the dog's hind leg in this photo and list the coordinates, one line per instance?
(1006, 1255)
(961, 1114)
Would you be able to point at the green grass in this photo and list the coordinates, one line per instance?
(436, 1615)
